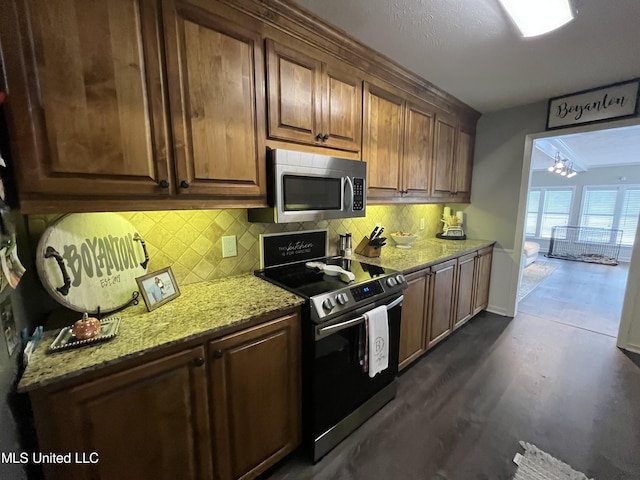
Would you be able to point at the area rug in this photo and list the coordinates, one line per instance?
(538, 465)
(533, 275)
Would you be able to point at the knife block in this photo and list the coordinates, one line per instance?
(367, 250)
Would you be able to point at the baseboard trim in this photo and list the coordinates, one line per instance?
(497, 310)
(631, 348)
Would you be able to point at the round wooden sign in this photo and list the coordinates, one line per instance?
(90, 261)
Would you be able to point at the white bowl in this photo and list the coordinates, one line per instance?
(403, 241)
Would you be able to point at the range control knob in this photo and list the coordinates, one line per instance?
(399, 278)
(391, 282)
(329, 304)
(342, 298)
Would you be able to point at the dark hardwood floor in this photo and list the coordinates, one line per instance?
(461, 410)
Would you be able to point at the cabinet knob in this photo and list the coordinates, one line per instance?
(325, 137)
(319, 136)
(217, 354)
(184, 184)
(163, 184)
(198, 362)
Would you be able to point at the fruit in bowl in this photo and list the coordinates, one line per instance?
(403, 239)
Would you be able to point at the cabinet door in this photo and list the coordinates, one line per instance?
(443, 152)
(414, 317)
(150, 421)
(87, 112)
(441, 301)
(342, 108)
(464, 164)
(418, 152)
(255, 391)
(483, 279)
(465, 283)
(382, 142)
(216, 91)
(294, 94)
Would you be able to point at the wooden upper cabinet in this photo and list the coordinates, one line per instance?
(216, 92)
(342, 108)
(418, 151)
(86, 107)
(464, 163)
(382, 142)
(444, 156)
(312, 102)
(294, 89)
(166, 402)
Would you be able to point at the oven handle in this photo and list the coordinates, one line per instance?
(354, 321)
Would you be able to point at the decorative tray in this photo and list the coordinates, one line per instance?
(66, 339)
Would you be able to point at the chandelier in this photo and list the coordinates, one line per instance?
(562, 166)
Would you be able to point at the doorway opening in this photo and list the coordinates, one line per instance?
(600, 204)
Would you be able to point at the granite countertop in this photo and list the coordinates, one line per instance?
(201, 309)
(423, 253)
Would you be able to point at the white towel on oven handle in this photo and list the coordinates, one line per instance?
(378, 323)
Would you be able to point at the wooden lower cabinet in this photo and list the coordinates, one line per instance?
(440, 299)
(414, 318)
(482, 279)
(255, 388)
(465, 283)
(181, 416)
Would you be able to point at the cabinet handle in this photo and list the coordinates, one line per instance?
(198, 362)
(163, 184)
(217, 354)
(325, 137)
(184, 184)
(319, 136)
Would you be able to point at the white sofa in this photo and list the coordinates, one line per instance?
(530, 252)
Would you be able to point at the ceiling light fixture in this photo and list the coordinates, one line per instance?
(535, 17)
(562, 167)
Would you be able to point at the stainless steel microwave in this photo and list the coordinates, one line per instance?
(305, 187)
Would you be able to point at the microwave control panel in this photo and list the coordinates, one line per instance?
(358, 193)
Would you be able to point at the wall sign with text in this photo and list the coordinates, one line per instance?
(281, 248)
(619, 100)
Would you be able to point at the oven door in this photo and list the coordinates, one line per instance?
(339, 384)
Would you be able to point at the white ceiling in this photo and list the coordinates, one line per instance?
(470, 49)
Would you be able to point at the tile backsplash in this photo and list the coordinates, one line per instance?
(190, 241)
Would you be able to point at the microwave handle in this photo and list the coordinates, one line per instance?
(350, 197)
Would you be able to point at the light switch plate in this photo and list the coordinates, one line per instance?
(229, 247)
(422, 224)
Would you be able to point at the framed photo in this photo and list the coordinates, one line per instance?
(158, 288)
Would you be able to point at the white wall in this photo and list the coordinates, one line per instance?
(504, 141)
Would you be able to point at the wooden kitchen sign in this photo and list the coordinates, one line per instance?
(619, 100)
(281, 248)
(88, 261)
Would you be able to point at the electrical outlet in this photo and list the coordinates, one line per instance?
(229, 248)
(422, 224)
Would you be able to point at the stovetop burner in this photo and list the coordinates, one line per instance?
(329, 295)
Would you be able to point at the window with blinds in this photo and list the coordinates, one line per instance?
(547, 208)
(612, 207)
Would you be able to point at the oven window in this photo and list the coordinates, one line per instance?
(311, 193)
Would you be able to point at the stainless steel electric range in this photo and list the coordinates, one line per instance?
(338, 394)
